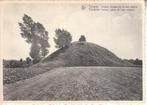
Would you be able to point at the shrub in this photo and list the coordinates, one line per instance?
(82, 38)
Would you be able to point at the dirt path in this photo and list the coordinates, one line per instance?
(80, 83)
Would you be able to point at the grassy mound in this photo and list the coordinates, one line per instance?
(86, 54)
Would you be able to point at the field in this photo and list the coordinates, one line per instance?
(79, 83)
(11, 75)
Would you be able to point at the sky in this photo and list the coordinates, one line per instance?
(119, 32)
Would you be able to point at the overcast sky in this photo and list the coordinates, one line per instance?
(120, 32)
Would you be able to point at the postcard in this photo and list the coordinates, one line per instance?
(88, 52)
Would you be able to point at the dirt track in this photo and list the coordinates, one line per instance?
(80, 83)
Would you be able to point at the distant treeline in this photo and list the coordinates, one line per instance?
(17, 63)
(28, 62)
(134, 61)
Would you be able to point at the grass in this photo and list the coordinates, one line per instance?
(86, 54)
(79, 83)
(11, 75)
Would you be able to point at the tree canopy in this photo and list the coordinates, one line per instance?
(63, 38)
(82, 38)
(35, 34)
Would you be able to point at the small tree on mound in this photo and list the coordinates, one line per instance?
(63, 38)
(82, 38)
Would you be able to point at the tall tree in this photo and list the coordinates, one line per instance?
(63, 38)
(35, 34)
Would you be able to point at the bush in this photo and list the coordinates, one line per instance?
(82, 38)
(28, 60)
(36, 60)
(15, 63)
(135, 61)
(138, 62)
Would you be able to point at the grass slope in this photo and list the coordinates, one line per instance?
(86, 54)
(79, 83)
(11, 75)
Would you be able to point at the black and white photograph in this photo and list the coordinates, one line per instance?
(72, 51)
